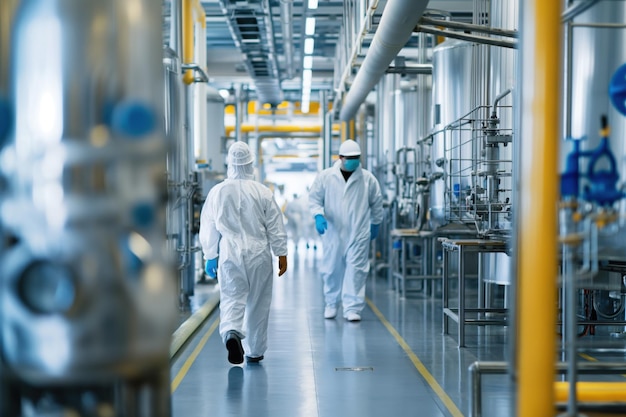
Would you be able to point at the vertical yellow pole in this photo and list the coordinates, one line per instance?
(347, 130)
(188, 41)
(537, 227)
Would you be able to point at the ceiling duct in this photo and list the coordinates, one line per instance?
(394, 30)
(250, 23)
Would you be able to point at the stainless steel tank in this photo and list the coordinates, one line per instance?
(452, 99)
(503, 62)
(412, 116)
(88, 291)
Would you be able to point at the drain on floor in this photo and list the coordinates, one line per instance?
(356, 369)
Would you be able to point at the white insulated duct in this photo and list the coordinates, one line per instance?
(396, 26)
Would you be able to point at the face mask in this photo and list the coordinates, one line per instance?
(350, 164)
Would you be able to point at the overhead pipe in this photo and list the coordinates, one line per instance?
(536, 220)
(418, 69)
(248, 128)
(286, 11)
(468, 27)
(356, 49)
(394, 30)
(467, 37)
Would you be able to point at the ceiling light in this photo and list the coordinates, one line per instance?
(224, 93)
(307, 77)
(310, 26)
(312, 4)
(309, 44)
(307, 62)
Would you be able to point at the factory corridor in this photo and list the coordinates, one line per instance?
(396, 361)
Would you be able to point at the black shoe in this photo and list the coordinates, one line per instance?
(254, 359)
(235, 350)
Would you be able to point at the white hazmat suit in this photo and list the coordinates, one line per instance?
(350, 207)
(241, 222)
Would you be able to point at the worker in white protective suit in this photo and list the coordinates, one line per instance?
(240, 227)
(347, 205)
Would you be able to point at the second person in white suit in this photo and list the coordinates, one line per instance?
(347, 205)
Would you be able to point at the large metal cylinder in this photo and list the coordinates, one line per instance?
(88, 291)
(213, 145)
(505, 15)
(595, 55)
(452, 98)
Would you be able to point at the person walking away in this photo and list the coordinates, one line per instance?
(347, 205)
(241, 226)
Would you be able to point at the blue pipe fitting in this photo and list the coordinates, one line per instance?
(617, 89)
(133, 119)
(5, 120)
(143, 215)
(603, 183)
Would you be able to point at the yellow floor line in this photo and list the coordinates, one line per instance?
(434, 385)
(191, 359)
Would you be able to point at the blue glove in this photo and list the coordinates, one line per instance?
(374, 231)
(320, 224)
(210, 267)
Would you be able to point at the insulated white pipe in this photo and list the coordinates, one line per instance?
(396, 26)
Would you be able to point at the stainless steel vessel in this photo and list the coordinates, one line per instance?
(88, 294)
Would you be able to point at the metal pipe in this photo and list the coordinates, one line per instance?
(286, 10)
(468, 26)
(477, 369)
(466, 37)
(247, 128)
(395, 28)
(420, 69)
(204, 78)
(356, 48)
(269, 21)
(577, 9)
(535, 224)
(498, 98)
(187, 30)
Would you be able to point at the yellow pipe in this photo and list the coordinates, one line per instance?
(247, 128)
(538, 197)
(188, 39)
(589, 392)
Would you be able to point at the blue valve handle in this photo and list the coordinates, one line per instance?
(617, 89)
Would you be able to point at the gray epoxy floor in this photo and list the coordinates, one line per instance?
(330, 368)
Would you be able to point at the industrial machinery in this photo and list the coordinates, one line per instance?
(194, 124)
(87, 288)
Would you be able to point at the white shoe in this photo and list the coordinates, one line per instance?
(352, 316)
(330, 312)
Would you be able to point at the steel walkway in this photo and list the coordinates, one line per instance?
(396, 361)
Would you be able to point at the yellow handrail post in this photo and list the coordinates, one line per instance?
(537, 206)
